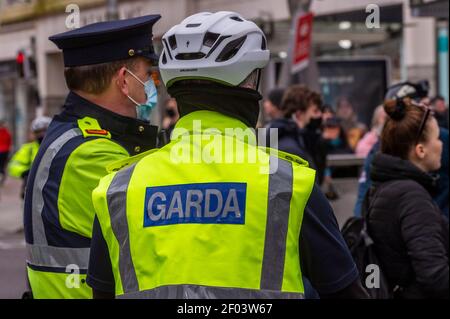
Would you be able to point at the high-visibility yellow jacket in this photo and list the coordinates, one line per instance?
(21, 161)
(58, 211)
(192, 221)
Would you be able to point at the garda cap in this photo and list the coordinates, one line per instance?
(108, 41)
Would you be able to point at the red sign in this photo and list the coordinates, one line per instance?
(302, 42)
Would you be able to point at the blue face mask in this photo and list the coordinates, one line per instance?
(336, 142)
(144, 110)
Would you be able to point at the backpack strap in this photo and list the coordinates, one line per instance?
(366, 205)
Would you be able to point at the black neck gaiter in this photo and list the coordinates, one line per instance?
(237, 102)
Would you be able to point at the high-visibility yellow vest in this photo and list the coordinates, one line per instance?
(59, 272)
(22, 159)
(178, 226)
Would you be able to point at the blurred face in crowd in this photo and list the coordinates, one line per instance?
(304, 106)
(39, 135)
(439, 106)
(344, 109)
(427, 155)
(378, 120)
(313, 114)
(331, 132)
(271, 110)
(327, 114)
(382, 116)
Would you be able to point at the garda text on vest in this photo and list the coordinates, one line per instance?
(200, 203)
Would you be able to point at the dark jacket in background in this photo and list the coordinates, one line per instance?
(317, 148)
(307, 145)
(442, 119)
(289, 138)
(441, 197)
(409, 231)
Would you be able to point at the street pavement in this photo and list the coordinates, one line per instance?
(12, 242)
(347, 190)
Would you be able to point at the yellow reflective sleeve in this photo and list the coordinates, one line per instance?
(22, 159)
(84, 168)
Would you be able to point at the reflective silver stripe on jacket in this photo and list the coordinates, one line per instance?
(278, 206)
(40, 180)
(49, 256)
(39, 253)
(279, 198)
(206, 292)
(117, 206)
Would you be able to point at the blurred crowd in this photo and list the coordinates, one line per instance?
(312, 129)
(404, 185)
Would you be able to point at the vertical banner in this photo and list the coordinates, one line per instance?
(302, 42)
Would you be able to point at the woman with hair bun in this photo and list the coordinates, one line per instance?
(409, 232)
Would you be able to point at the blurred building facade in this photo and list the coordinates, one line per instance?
(413, 35)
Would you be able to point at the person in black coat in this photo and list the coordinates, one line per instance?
(288, 133)
(298, 125)
(409, 232)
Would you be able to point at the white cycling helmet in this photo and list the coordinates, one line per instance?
(221, 46)
(40, 123)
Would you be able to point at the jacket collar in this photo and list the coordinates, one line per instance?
(210, 122)
(386, 168)
(135, 135)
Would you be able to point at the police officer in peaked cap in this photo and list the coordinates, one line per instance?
(108, 70)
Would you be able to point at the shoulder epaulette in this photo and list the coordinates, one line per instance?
(90, 127)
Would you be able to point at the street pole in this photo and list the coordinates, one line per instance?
(310, 75)
(296, 5)
(21, 119)
(112, 12)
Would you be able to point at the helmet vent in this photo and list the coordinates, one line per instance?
(210, 38)
(231, 49)
(218, 42)
(263, 44)
(190, 56)
(193, 25)
(236, 19)
(164, 58)
(173, 42)
(167, 48)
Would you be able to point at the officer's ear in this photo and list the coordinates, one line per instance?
(122, 80)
